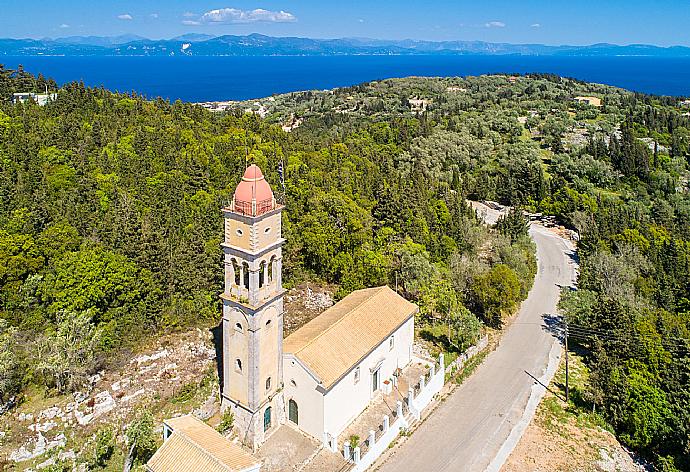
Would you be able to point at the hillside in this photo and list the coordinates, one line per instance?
(110, 225)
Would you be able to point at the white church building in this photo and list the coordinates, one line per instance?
(322, 376)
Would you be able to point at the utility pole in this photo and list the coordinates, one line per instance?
(567, 390)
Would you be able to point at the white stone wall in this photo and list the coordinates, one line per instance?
(301, 387)
(347, 399)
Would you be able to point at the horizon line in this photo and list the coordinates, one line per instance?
(438, 41)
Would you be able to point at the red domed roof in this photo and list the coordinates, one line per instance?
(253, 195)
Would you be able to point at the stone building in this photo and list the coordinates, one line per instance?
(253, 309)
(334, 365)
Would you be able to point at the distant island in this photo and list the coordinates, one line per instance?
(194, 44)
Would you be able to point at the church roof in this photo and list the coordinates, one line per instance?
(194, 445)
(337, 340)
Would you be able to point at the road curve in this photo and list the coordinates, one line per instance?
(479, 424)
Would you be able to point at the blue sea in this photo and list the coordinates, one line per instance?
(237, 78)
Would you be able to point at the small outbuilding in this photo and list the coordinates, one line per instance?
(191, 445)
(592, 101)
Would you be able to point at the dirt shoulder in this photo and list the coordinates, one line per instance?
(567, 438)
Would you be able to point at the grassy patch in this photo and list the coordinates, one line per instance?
(553, 412)
(471, 366)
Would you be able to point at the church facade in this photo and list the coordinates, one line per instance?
(323, 375)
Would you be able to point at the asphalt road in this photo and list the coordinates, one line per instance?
(479, 424)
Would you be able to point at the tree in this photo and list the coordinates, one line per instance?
(646, 409)
(497, 291)
(140, 440)
(464, 328)
(67, 355)
(513, 224)
(103, 448)
(10, 366)
(416, 270)
(120, 297)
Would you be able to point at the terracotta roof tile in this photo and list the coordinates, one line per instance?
(335, 341)
(194, 446)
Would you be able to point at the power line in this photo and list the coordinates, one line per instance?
(670, 340)
(671, 348)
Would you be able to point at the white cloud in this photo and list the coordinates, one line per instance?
(233, 15)
(535, 25)
(361, 20)
(495, 24)
(64, 25)
(191, 23)
(189, 14)
(125, 16)
(154, 15)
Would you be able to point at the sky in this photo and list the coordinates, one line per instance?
(659, 22)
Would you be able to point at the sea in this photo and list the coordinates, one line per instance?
(201, 79)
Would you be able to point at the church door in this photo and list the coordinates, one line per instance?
(293, 413)
(267, 418)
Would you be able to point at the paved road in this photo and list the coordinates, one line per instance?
(478, 426)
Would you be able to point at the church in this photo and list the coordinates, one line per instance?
(321, 377)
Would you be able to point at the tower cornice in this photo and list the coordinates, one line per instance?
(230, 213)
(238, 251)
(247, 308)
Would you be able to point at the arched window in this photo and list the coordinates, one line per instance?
(268, 323)
(238, 365)
(238, 327)
(236, 271)
(245, 268)
(267, 418)
(268, 383)
(262, 273)
(293, 383)
(293, 411)
(391, 343)
(271, 263)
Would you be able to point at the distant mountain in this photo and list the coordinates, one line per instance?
(194, 44)
(103, 41)
(193, 37)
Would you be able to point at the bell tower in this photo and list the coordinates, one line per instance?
(253, 309)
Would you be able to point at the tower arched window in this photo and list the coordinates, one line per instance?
(238, 327)
(236, 271)
(262, 273)
(268, 383)
(245, 269)
(238, 365)
(271, 263)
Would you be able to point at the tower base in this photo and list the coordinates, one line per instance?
(250, 425)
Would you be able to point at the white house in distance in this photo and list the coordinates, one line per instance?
(40, 98)
(323, 375)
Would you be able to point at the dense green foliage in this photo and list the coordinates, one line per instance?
(616, 174)
(109, 209)
(110, 223)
